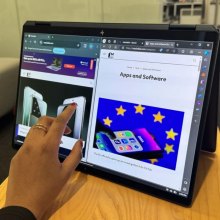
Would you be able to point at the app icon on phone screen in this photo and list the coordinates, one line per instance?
(124, 141)
(120, 135)
(117, 141)
(128, 147)
(127, 141)
(132, 140)
(101, 146)
(128, 133)
(121, 148)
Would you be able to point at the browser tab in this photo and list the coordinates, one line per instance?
(159, 44)
(131, 42)
(31, 35)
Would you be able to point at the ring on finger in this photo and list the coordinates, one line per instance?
(40, 126)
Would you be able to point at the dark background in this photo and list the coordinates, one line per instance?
(54, 94)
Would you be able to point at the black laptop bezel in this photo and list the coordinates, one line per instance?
(142, 31)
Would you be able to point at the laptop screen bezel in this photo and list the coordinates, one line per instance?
(142, 32)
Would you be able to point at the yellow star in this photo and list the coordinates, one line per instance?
(169, 148)
(158, 117)
(107, 121)
(139, 109)
(120, 111)
(171, 134)
(153, 161)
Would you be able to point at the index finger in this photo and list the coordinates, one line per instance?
(58, 126)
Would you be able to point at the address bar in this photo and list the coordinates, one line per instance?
(161, 58)
(141, 49)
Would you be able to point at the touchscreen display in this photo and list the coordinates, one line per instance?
(139, 102)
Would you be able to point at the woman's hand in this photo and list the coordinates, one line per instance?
(36, 175)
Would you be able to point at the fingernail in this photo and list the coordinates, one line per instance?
(73, 104)
(81, 142)
(69, 132)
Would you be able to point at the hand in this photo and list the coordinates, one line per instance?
(36, 175)
(103, 129)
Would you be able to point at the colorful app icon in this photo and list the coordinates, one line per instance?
(200, 88)
(205, 60)
(200, 95)
(128, 134)
(117, 141)
(202, 81)
(124, 141)
(121, 148)
(120, 134)
(207, 53)
(205, 67)
(198, 103)
(101, 146)
(128, 147)
(132, 140)
(99, 141)
(136, 146)
(203, 74)
(197, 109)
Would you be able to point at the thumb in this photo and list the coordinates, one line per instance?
(72, 161)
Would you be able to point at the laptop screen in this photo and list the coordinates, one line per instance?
(57, 62)
(139, 102)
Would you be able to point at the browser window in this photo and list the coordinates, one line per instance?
(147, 93)
(151, 96)
(55, 77)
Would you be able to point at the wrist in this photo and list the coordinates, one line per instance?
(37, 212)
(17, 212)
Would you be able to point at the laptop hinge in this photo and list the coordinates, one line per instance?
(45, 23)
(182, 27)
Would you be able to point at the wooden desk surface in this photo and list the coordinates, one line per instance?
(86, 197)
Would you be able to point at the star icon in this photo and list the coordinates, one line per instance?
(153, 161)
(169, 148)
(158, 117)
(107, 121)
(120, 111)
(139, 109)
(171, 134)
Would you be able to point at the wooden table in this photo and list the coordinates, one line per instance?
(87, 197)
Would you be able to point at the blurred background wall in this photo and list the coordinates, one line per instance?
(14, 13)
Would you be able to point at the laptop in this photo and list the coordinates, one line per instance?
(56, 64)
(149, 85)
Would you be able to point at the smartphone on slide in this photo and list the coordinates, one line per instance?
(137, 144)
(80, 112)
(27, 101)
(38, 109)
